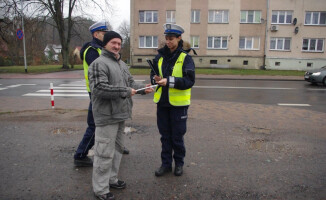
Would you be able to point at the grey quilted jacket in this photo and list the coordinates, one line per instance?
(110, 82)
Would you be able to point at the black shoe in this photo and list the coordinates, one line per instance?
(84, 162)
(178, 170)
(162, 170)
(119, 185)
(108, 196)
(125, 151)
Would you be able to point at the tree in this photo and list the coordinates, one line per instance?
(64, 15)
(124, 30)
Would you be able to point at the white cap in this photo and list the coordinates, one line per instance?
(173, 29)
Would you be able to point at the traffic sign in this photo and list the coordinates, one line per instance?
(19, 34)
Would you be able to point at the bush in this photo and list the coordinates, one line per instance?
(5, 61)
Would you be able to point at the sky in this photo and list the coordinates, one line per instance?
(120, 12)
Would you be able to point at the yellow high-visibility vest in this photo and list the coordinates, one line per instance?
(176, 97)
(86, 65)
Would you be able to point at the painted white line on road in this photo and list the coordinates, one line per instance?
(17, 85)
(56, 95)
(3, 88)
(84, 84)
(289, 104)
(317, 89)
(55, 91)
(73, 85)
(250, 88)
(13, 86)
(77, 88)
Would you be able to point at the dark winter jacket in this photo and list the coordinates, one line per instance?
(92, 54)
(169, 59)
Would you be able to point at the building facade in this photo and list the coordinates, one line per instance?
(247, 34)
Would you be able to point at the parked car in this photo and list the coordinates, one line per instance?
(316, 76)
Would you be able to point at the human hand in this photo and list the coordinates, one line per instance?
(149, 90)
(133, 92)
(157, 78)
(162, 82)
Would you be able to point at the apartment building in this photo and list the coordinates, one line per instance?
(248, 34)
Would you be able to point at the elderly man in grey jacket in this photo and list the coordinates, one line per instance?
(112, 87)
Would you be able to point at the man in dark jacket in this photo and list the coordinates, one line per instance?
(112, 87)
(174, 72)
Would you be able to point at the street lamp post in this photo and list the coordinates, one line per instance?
(25, 62)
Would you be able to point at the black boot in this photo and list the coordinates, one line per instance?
(162, 170)
(178, 171)
(83, 162)
(125, 150)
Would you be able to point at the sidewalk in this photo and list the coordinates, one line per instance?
(79, 74)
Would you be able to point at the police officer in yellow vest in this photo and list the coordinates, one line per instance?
(174, 72)
(89, 52)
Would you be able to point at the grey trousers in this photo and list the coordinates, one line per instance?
(108, 149)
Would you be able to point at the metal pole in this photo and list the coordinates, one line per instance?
(25, 62)
(266, 33)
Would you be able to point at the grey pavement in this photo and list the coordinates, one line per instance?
(236, 151)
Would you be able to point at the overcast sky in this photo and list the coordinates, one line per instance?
(120, 12)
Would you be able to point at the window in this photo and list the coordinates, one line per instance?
(148, 16)
(281, 17)
(315, 18)
(282, 44)
(140, 60)
(212, 62)
(277, 63)
(218, 16)
(250, 16)
(249, 43)
(148, 41)
(313, 45)
(195, 16)
(170, 16)
(194, 41)
(217, 42)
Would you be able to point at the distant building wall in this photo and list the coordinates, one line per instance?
(248, 40)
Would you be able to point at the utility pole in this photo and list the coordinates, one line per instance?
(25, 62)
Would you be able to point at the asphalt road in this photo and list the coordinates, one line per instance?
(241, 144)
(293, 93)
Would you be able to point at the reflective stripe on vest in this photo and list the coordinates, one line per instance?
(86, 66)
(176, 97)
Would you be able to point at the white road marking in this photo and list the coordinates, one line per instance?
(249, 88)
(77, 88)
(3, 88)
(58, 91)
(73, 85)
(17, 85)
(317, 89)
(13, 86)
(56, 95)
(289, 104)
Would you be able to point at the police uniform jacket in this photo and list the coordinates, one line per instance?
(169, 60)
(92, 53)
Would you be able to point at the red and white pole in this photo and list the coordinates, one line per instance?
(52, 96)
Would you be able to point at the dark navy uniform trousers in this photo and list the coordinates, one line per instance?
(89, 136)
(172, 125)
